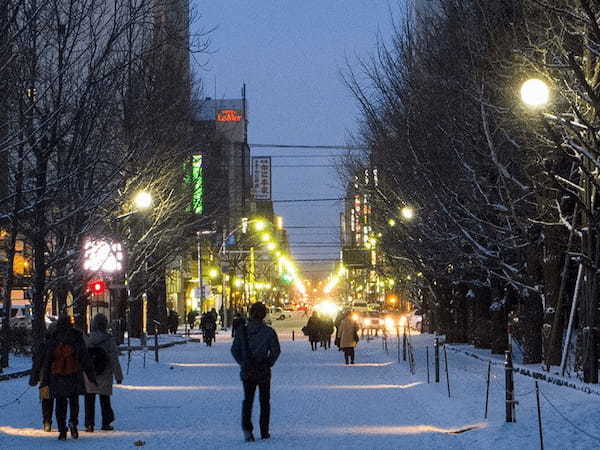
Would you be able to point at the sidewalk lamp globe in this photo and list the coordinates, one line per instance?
(535, 93)
(143, 200)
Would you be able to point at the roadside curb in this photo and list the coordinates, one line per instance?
(534, 374)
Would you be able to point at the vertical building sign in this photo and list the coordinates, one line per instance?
(197, 185)
(261, 175)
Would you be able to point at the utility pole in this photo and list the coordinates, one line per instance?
(201, 287)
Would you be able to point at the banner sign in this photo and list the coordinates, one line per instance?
(261, 175)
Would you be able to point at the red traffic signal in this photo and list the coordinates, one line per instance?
(96, 287)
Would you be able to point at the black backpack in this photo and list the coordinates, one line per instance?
(99, 359)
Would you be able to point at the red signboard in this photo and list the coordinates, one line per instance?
(229, 115)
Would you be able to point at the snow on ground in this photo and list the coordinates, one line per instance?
(192, 399)
(18, 363)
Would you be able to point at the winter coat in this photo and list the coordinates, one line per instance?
(326, 327)
(347, 332)
(263, 345)
(104, 385)
(313, 328)
(68, 385)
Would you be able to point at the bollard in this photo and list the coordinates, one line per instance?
(436, 352)
(427, 354)
(510, 387)
(539, 412)
(293, 336)
(404, 345)
(487, 390)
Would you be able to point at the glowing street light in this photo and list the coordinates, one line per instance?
(266, 237)
(143, 200)
(271, 246)
(260, 225)
(213, 273)
(535, 93)
(408, 213)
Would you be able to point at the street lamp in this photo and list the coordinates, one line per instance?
(535, 93)
(143, 200)
(407, 213)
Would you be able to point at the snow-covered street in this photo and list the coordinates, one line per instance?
(192, 399)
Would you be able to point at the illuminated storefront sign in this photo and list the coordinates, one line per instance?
(229, 115)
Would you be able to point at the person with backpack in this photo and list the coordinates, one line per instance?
(105, 356)
(65, 362)
(256, 349)
(36, 377)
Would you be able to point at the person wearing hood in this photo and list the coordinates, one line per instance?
(65, 362)
(105, 353)
(256, 349)
(36, 377)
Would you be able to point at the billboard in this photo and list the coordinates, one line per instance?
(197, 182)
(261, 176)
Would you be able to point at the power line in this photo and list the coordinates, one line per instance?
(316, 147)
(313, 226)
(310, 200)
(300, 156)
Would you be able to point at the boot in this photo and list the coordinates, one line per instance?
(74, 431)
(47, 427)
(248, 436)
(89, 428)
(107, 428)
(62, 435)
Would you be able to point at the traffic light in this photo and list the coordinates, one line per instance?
(96, 287)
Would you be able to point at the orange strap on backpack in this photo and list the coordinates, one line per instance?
(64, 363)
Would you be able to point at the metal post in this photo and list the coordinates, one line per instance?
(510, 400)
(539, 412)
(436, 352)
(200, 274)
(398, 342)
(427, 356)
(156, 340)
(446, 365)
(293, 336)
(567, 342)
(487, 390)
(404, 344)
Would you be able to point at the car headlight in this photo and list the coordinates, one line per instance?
(354, 316)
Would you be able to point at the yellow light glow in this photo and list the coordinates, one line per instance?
(260, 225)
(143, 200)
(392, 222)
(535, 93)
(266, 237)
(408, 213)
(213, 273)
(271, 246)
(327, 308)
(355, 317)
(403, 321)
(238, 282)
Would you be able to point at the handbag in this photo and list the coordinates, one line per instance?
(356, 339)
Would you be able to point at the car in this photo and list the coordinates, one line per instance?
(21, 316)
(360, 307)
(277, 313)
(372, 321)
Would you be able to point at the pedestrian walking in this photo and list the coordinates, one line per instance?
(326, 332)
(65, 362)
(313, 330)
(105, 355)
(173, 321)
(238, 320)
(209, 328)
(36, 377)
(191, 318)
(256, 349)
(348, 334)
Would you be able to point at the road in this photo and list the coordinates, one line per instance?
(192, 399)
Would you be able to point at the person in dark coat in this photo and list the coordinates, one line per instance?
(36, 377)
(64, 365)
(238, 320)
(256, 349)
(209, 328)
(99, 338)
(313, 330)
(191, 318)
(326, 332)
(173, 321)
